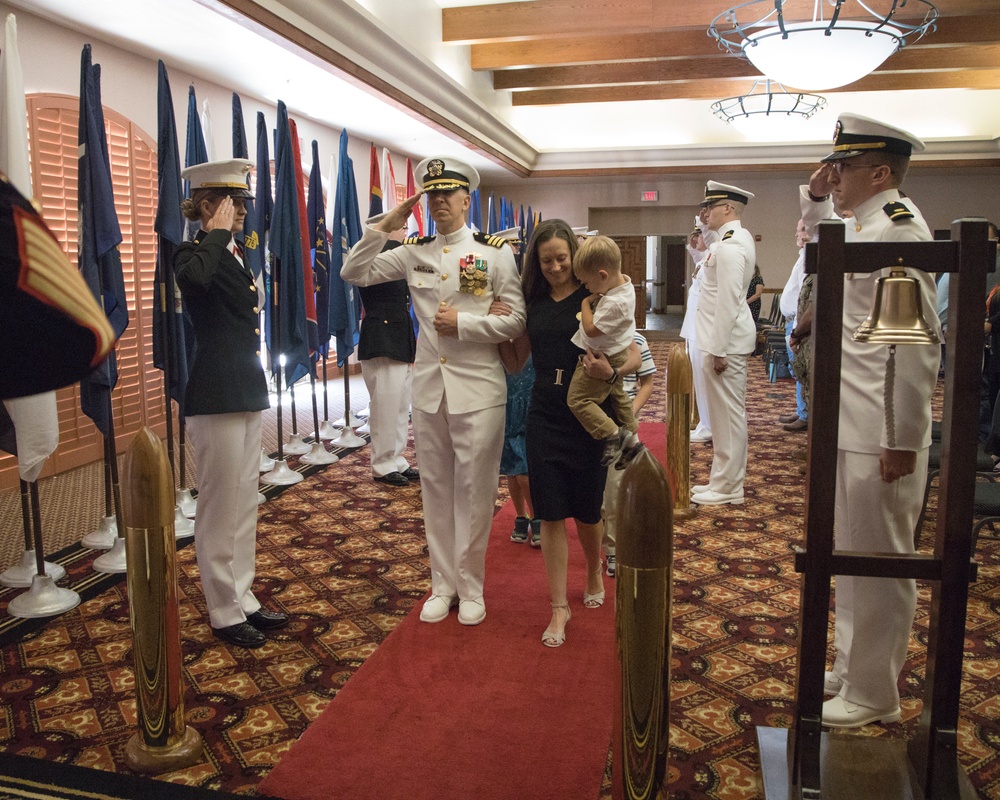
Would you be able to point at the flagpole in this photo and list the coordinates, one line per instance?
(44, 598)
(318, 454)
(295, 445)
(327, 431)
(113, 561)
(22, 573)
(280, 474)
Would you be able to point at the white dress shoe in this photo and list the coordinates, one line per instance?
(471, 612)
(710, 498)
(436, 608)
(840, 713)
(831, 683)
(701, 438)
(699, 488)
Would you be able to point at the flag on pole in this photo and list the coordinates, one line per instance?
(194, 153)
(388, 182)
(345, 301)
(99, 237)
(308, 285)
(375, 205)
(173, 336)
(35, 418)
(320, 249)
(263, 207)
(253, 250)
(415, 224)
(475, 211)
(491, 215)
(286, 245)
(206, 130)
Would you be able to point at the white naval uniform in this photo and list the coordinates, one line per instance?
(704, 428)
(459, 390)
(724, 327)
(874, 615)
(389, 383)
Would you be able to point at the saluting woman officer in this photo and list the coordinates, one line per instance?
(226, 392)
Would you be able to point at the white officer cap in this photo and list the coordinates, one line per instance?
(715, 191)
(225, 177)
(582, 231)
(509, 234)
(446, 173)
(855, 135)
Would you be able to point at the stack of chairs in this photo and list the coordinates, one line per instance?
(771, 341)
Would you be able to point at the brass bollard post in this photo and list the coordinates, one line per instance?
(680, 399)
(164, 742)
(693, 406)
(642, 615)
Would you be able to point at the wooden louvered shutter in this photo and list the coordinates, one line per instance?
(138, 398)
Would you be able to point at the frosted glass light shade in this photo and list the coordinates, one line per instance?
(809, 59)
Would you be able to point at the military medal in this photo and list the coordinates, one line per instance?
(472, 275)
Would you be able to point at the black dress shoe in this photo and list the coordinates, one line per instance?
(242, 634)
(411, 474)
(393, 479)
(264, 620)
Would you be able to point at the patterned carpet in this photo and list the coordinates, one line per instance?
(346, 558)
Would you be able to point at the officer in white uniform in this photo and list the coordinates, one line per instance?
(881, 461)
(703, 431)
(725, 334)
(225, 395)
(459, 390)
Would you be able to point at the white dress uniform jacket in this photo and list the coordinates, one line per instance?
(724, 327)
(459, 389)
(874, 615)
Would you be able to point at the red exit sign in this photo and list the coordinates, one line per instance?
(650, 197)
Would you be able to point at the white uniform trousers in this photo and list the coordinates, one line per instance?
(389, 388)
(874, 615)
(726, 395)
(227, 454)
(704, 428)
(459, 462)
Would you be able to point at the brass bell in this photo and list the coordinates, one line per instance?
(897, 314)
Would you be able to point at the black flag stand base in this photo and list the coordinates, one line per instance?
(44, 598)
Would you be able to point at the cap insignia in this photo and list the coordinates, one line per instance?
(435, 168)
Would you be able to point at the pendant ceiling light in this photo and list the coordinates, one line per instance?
(819, 53)
(757, 114)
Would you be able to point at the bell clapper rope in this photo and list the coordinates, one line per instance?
(890, 379)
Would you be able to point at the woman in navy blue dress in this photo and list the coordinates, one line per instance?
(564, 461)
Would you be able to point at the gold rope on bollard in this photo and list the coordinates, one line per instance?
(680, 400)
(642, 614)
(164, 742)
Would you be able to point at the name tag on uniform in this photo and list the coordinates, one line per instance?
(427, 270)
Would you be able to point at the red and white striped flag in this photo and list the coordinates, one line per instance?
(415, 226)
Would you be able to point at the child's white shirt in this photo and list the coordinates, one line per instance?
(615, 318)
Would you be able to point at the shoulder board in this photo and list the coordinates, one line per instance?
(897, 211)
(418, 240)
(727, 235)
(488, 238)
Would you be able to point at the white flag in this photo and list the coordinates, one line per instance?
(206, 130)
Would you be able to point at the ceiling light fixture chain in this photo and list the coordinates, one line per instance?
(819, 53)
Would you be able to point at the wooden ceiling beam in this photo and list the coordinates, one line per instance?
(547, 19)
(718, 89)
(979, 56)
(950, 31)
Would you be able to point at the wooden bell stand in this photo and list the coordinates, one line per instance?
(803, 762)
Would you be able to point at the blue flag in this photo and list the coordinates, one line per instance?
(291, 336)
(99, 237)
(345, 300)
(316, 215)
(253, 250)
(173, 335)
(263, 207)
(195, 152)
(475, 211)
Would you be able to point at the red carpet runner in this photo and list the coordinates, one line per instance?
(449, 712)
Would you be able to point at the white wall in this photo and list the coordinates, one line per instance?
(942, 197)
